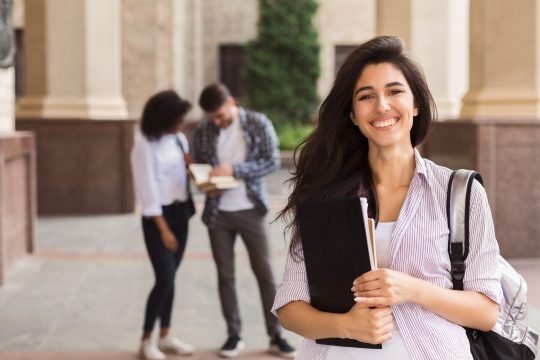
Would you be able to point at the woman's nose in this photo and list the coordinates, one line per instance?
(383, 104)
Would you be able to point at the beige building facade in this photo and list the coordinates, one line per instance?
(89, 65)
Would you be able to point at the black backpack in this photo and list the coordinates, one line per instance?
(511, 337)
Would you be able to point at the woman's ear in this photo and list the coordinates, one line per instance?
(351, 115)
(415, 112)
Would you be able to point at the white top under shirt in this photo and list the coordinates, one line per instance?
(393, 348)
(231, 149)
(159, 172)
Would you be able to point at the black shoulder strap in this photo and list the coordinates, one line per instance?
(181, 146)
(457, 209)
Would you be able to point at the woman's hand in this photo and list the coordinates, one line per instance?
(169, 240)
(384, 287)
(369, 325)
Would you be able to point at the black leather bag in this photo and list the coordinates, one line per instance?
(492, 346)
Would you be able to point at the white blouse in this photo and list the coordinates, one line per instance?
(159, 172)
(393, 348)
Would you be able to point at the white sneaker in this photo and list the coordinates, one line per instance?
(172, 345)
(149, 351)
(232, 347)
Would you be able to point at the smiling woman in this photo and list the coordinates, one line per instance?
(377, 112)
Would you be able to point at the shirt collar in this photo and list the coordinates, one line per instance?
(420, 167)
(242, 117)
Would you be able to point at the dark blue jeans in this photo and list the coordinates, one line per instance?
(165, 263)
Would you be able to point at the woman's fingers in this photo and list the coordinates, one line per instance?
(378, 301)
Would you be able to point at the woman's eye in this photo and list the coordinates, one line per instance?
(365, 97)
(395, 91)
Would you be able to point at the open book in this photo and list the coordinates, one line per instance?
(201, 175)
(338, 245)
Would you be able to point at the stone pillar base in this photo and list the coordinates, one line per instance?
(83, 165)
(107, 108)
(506, 153)
(17, 198)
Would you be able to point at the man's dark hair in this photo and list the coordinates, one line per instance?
(213, 97)
(163, 113)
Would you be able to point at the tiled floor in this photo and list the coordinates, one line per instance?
(81, 296)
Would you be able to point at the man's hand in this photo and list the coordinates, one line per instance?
(222, 170)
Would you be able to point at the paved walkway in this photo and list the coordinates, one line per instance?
(81, 296)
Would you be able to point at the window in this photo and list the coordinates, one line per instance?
(232, 68)
(341, 52)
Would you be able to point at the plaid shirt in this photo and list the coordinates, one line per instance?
(262, 158)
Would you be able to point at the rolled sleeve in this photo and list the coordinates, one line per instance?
(146, 188)
(482, 273)
(267, 145)
(294, 286)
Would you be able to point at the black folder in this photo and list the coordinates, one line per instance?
(335, 252)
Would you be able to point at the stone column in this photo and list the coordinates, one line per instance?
(73, 64)
(73, 103)
(7, 100)
(179, 51)
(505, 52)
(499, 134)
(7, 75)
(194, 50)
(435, 33)
(147, 58)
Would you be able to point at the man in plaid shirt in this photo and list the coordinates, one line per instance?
(243, 144)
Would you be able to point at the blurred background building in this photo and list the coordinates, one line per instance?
(83, 69)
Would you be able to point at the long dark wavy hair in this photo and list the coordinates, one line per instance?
(333, 160)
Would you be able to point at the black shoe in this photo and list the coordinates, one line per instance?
(232, 347)
(279, 346)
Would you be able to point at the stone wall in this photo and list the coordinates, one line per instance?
(146, 50)
(17, 198)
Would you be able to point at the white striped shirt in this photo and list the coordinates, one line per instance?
(419, 247)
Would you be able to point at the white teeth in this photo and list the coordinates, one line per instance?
(384, 123)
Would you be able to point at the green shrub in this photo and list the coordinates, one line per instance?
(291, 134)
(283, 62)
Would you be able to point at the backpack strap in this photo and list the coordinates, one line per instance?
(457, 209)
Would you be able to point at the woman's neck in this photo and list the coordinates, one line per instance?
(392, 168)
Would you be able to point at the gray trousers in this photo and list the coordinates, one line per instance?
(252, 229)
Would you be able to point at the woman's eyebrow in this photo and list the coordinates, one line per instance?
(369, 87)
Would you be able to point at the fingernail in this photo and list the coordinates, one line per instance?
(358, 299)
(353, 289)
(354, 282)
